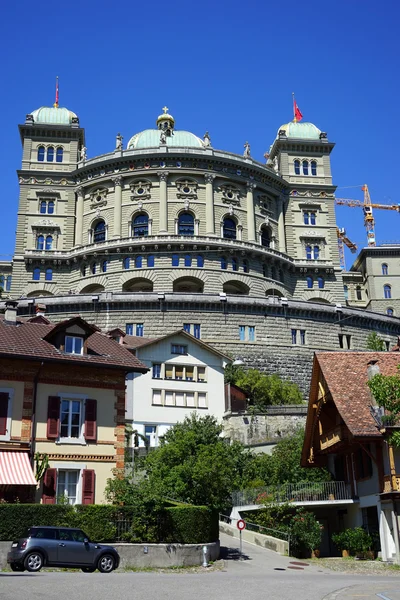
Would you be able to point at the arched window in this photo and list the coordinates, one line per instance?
(229, 229)
(305, 167)
(316, 252)
(93, 268)
(49, 275)
(8, 283)
(297, 167)
(200, 260)
(99, 232)
(390, 312)
(235, 264)
(59, 155)
(308, 252)
(313, 167)
(1, 283)
(104, 266)
(186, 224)
(346, 292)
(40, 242)
(265, 236)
(43, 207)
(50, 154)
(321, 283)
(40, 153)
(50, 207)
(49, 242)
(245, 266)
(36, 274)
(150, 260)
(385, 270)
(127, 262)
(310, 282)
(138, 262)
(387, 290)
(140, 225)
(306, 218)
(188, 260)
(358, 293)
(175, 260)
(224, 264)
(313, 218)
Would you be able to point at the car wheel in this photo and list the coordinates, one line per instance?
(16, 567)
(88, 569)
(106, 563)
(33, 562)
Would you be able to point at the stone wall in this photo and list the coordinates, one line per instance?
(278, 423)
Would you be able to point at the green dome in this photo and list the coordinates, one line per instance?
(150, 138)
(304, 131)
(53, 116)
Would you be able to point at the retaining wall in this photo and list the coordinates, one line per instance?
(258, 539)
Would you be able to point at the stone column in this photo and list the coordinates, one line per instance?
(79, 217)
(251, 225)
(163, 224)
(117, 205)
(210, 220)
(281, 224)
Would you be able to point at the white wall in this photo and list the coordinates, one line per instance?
(139, 407)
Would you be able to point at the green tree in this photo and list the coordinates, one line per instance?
(375, 342)
(262, 389)
(386, 391)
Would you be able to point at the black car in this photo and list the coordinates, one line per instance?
(60, 547)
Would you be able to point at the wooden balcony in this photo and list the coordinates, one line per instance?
(331, 437)
(387, 484)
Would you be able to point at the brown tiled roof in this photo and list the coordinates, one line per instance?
(135, 341)
(25, 340)
(346, 376)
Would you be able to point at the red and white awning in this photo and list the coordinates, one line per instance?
(15, 469)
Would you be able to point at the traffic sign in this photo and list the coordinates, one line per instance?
(241, 525)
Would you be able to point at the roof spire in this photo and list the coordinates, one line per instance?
(56, 102)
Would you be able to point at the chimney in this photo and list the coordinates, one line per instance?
(10, 314)
(373, 369)
(40, 310)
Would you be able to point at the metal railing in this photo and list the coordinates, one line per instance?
(275, 533)
(294, 492)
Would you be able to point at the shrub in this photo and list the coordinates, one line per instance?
(356, 540)
(306, 531)
(188, 524)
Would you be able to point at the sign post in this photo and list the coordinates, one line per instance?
(240, 525)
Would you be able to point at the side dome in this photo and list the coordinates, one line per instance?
(304, 131)
(53, 116)
(150, 138)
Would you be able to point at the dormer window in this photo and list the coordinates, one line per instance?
(73, 344)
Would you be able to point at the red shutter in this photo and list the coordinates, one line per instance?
(90, 420)
(3, 412)
(88, 476)
(49, 486)
(53, 417)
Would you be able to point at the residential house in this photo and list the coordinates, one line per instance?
(185, 375)
(62, 396)
(344, 433)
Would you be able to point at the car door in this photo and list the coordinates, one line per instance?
(46, 538)
(72, 549)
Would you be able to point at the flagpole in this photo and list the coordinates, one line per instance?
(294, 111)
(56, 102)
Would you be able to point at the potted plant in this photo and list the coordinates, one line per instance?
(306, 533)
(354, 542)
(342, 542)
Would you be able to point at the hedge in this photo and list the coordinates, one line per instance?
(184, 524)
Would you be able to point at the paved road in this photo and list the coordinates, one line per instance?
(261, 575)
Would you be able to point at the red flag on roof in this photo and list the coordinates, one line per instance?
(56, 102)
(298, 115)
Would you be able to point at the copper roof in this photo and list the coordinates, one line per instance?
(26, 340)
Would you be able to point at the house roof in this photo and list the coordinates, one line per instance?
(135, 341)
(149, 341)
(27, 340)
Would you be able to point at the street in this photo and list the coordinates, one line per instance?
(262, 574)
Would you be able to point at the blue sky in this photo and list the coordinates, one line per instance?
(226, 67)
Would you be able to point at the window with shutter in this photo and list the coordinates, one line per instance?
(88, 476)
(53, 417)
(91, 420)
(49, 486)
(3, 412)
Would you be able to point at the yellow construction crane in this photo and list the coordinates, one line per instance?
(367, 207)
(343, 239)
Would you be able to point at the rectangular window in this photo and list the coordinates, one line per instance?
(252, 333)
(348, 341)
(157, 397)
(178, 372)
(139, 329)
(190, 402)
(5, 413)
(196, 330)
(201, 373)
(313, 219)
(169, 398)
(169, 371)
(178, 349)
(294, 336)
(189, 373)
(340, 337)
(242, 333)
(73, 344)
(186, 327)
(129, 328)
(150, 432)
(202, 400)
(67, 487)
(157, 371)
(179, 399)
(306, 218)
(302, 337)
(71, 419)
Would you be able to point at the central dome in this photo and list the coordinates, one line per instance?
(165, 135)
(52, 115)
(305, 131)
